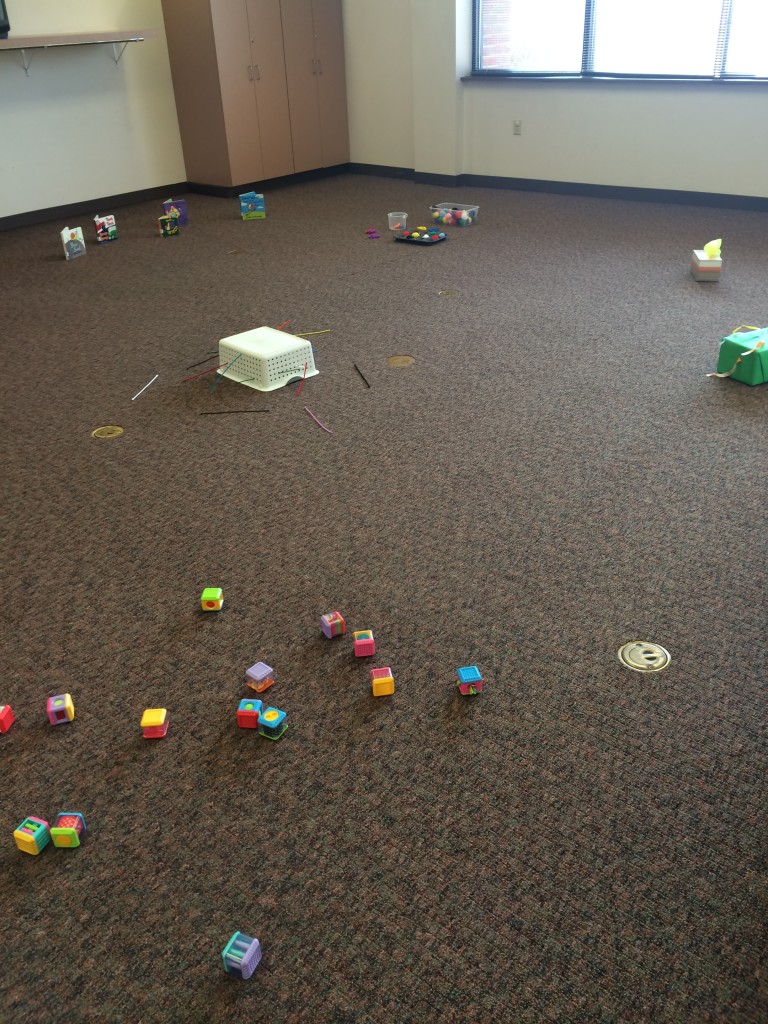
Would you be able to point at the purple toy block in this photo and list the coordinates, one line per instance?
(241, 955)
(258, 672)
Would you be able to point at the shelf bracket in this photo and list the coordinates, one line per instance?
(26, 60)
(118, 50)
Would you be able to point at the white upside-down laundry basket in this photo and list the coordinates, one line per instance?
(266, 359)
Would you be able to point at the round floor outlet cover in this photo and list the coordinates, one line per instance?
(644, 656)
(400, 361)
(107, 432)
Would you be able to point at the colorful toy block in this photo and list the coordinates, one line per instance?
(32, 835)
(106, 228)
(272, 723)
(259, 676)
(155, 723)
(332, 624)
(177, 208)
(248, 712)
(6, 717)
(363, 643)
(470, 680)
(60, 709)
(67, 829)
(241, 955)
(212, 599)
(382, 682)
(252, 206)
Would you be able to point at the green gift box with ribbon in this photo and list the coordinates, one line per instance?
(744, 356)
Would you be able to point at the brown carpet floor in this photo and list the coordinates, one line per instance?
(553, 476)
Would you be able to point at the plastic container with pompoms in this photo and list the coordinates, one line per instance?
(453, 215)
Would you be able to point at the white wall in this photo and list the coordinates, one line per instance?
(702, 137)
(79, 127)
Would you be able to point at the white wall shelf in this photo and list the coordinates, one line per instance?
(25, 45)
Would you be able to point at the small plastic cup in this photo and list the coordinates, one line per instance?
(397, 221)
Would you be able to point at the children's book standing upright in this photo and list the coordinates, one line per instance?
(167, 225)
(252, 206)
(73, 242)
(177, 208)
(106, 228)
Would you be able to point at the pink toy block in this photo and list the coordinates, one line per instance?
(363, 643)
(6, 717)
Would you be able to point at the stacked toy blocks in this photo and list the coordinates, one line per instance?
(6, 717)
(259, 676)
(470, 680)
(382, 682)
(60, 709)
(212, 599)
(364, 644)
(32, 835)
(332, 624)
(241, 955)
(155, 723)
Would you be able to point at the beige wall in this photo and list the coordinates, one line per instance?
(79, 127)
(405, 59)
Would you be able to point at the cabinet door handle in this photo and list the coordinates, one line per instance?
(250, 73)
(319, 67)
(314, 68)
(257, 73)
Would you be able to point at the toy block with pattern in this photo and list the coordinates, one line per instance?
(259, 676)
(332, 624)
(32, 835)
(212, 599)
(248, 712)
(155, 723)
(382, 682)
(241, 955)
(470, 680)
(67, 829)
(60, 709)
(272, 723)
(6, 717)
(363, 643)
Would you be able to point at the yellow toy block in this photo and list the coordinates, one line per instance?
(154, 722)
(382, 682)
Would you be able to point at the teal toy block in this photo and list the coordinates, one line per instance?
(272, 723)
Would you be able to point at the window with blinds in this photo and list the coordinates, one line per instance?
(686, 39)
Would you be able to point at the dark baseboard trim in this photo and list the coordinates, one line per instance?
(569, 188)
(229, 191)
(104, 205)
(378, 171)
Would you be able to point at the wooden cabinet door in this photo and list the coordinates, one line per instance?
(238, 96)
(268, 63)
(331, 81)
(302, 76)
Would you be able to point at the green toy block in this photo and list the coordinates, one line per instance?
(749, 368)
